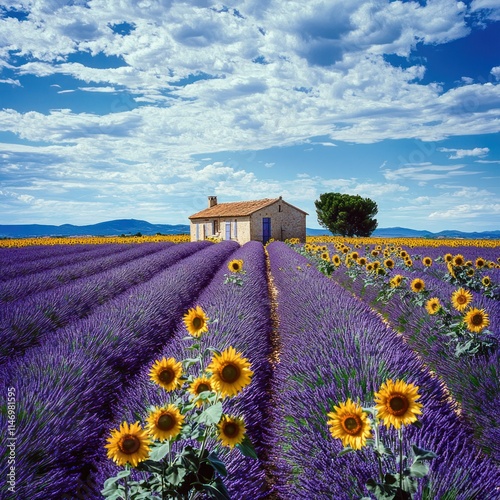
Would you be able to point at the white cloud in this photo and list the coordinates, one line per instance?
(462, 153)
(466, 211)
(426, 172)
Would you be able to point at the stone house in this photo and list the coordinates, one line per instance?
(242, 221)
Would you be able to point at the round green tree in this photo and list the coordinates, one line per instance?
(346, 214)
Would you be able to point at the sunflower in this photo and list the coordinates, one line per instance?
(396, 281)
(374, 253)
(417, 285)
(448, 257)
(129, 444)
(196, 321)
(476, 320)
(427, 261)
(166, 373)
(354, 255)
(199, 385)
(433, 305)
(480, 262)
(362, 261)
(470, 272)
(396, 403)
(231, 430)
(235, 266)
(350, 424)
(408, 262)
(458, 260)
(403, 254)
(369, 266)
(165, 423)
(230, 372)
(389, 263)
(486, 281)
(336, 260)
(325, 256)
(460, 299)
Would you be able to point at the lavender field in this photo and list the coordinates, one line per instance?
(80, 327)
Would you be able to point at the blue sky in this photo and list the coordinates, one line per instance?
(116, 109)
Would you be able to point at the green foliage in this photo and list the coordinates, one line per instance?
(183, 466)
(347, 215)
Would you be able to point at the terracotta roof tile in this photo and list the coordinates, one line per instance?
(234, 209)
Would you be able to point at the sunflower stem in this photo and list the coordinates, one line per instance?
(400, 435)
(126, 483)
(379, 458)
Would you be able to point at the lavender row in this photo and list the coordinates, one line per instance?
(38, 253)
(240, 317)
(17, 269)
(65, 389)
(335, 347)
(473, 381)
(94, 262)
(30, 321)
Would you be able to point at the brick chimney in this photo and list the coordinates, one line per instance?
(212, 201)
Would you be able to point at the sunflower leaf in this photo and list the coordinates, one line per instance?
(217, 464)
(344, 451)
(246, 448)
(421, 454)
(211, 415)
(158, 453)
(217, 490)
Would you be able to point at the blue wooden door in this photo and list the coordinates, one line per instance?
(228, 230)
(266, 229)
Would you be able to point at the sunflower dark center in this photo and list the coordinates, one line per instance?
(230, 373)
(477, 319)
(236, 266)
(202, 388)
(461, 299)
(166, 376)
(165, 422)
(198, 322)
(129, 444)
(418, 285)
(398, 404)
(230, 429)
(352, 424)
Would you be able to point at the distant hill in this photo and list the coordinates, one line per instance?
(403, 232)
(134, 226)
(110, 228)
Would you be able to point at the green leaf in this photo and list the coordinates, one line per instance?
(123, 473)
(345, 451)
(421, 454)
(217, 491)
(419, 469)
(217, 464)
(246, 448)
(158, 453)
(211, 415)
(175, 474)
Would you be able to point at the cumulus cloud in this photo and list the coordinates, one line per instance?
(462, 153)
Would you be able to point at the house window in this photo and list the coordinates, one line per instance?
(215, 227)
(236, 228)
(228, 231)
(197, 232)
(279, 208)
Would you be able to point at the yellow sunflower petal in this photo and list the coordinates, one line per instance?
(396, 403)
(349, 423)
(230, 372)
(129, 444)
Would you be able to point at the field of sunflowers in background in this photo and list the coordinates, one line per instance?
(161, 368)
